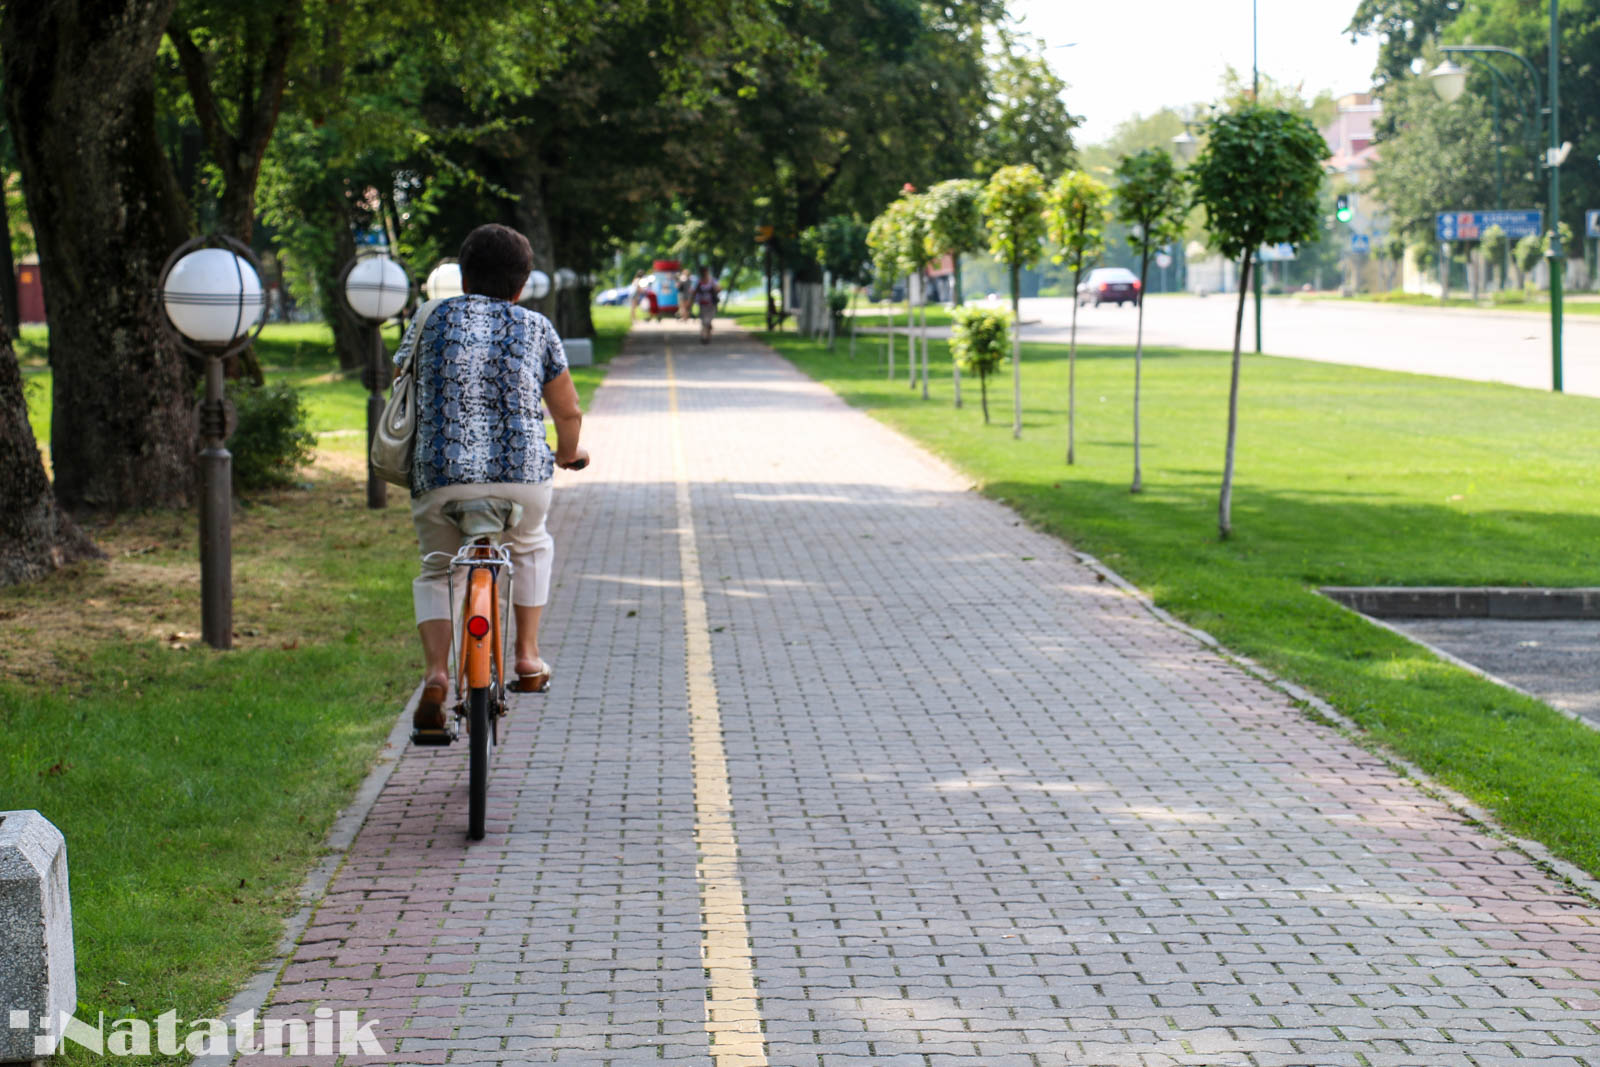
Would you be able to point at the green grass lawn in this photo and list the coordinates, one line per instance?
(195, 788)
(1345, 476)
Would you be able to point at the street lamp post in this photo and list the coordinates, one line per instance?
(1449, 81)
(211, 292)
(376, 289)
(1255, 97)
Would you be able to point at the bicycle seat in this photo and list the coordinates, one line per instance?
(483, 516)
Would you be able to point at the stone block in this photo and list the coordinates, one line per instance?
(37, 979)
(580, 352)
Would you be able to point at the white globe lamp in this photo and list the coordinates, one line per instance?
(377, 288)
(444, 281)
(537, 287)
(213, 297)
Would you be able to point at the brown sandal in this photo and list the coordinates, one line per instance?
(536, 682)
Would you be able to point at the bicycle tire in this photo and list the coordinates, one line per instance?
(479, 746)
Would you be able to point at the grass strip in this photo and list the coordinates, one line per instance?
(1346, 476)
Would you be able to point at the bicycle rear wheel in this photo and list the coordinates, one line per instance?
(480, 745)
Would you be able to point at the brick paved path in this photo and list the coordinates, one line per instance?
(987, 810)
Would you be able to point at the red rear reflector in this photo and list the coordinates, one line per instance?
(478, 626)
(1135, 285)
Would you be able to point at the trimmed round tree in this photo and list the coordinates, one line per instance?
(1153, 199)
(1077, 209)
(978, 343)
(1257, 177)
(1013, 212)
(884, 237)
(955, 229)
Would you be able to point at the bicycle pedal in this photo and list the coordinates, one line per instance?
(432, 737)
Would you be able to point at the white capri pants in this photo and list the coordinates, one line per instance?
(532, 550)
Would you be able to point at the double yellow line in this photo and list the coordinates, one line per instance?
(733, 1009)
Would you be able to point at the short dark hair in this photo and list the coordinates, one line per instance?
(495, 261)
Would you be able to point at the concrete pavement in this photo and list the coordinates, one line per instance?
(844, 764)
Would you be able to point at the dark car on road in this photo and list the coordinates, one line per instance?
(1109, 285)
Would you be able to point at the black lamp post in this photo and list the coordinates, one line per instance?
(376, 289)
(211, 292)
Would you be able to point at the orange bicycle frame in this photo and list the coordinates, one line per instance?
(480, 652)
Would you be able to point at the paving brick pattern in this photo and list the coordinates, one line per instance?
(990, 810)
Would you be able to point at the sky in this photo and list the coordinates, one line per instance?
(1136, 56)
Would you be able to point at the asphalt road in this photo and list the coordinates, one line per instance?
(1497, 346)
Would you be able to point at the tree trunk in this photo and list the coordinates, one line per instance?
(922, 326)
(853, 291)
(1225, 499)
(1016, 353)
(983, 389)
(891, 337)
(106, 211)
(351, 341)
(1138, 363)
(36, 536)
(955, 366)
(573, 318)
(1072, 365)
(911, 338)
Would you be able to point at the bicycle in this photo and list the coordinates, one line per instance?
(479, 643)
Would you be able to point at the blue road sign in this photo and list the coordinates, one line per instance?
(1360, 244)
(1276, 253)
(1469, 225)
(1591, 223)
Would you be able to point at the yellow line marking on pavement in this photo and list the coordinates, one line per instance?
(733, 1010)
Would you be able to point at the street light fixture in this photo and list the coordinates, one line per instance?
(376, 289)
(215, 306)
(444, 281)
(1449, 81)
(536, 288)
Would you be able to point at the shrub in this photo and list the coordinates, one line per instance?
(271, 442)
(978, 341)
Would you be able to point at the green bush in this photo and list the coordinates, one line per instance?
(271, 442)
(1509, 296)
(979, 340)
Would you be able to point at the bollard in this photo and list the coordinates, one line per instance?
(37, 979)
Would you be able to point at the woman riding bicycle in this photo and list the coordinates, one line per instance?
(483, 365)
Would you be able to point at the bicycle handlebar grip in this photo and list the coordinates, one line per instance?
(577, 464)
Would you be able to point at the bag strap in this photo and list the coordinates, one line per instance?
(419, 321)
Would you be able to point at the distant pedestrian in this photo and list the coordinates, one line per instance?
(638, 294)
(706, 291)
(685, 284)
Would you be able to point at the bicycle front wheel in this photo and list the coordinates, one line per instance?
(480, 745)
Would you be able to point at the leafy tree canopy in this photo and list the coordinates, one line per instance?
(1258, 177)
(1013, 211)
(1077, 209)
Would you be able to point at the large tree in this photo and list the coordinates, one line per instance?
(79, 85)
(36, 536)
(1404, 28)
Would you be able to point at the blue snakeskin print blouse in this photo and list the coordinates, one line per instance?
(481, 365)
